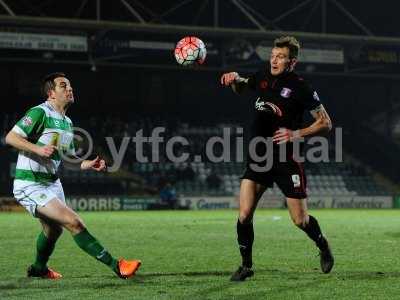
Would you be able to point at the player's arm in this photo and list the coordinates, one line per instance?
(322, 123)
(96, 164)
(21, 143)
(235, 81)
(28, 126)
(75, 162)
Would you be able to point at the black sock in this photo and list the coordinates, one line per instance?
(245, 238)
(314, 232)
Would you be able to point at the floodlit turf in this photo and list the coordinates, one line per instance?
(190, 255)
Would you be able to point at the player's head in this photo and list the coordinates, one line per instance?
(284, 54)
(58, 88)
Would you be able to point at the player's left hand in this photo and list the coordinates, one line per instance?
(96, 164)
(284, 135)
(229, 78)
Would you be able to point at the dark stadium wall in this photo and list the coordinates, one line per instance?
(187, 95)
(127, 92)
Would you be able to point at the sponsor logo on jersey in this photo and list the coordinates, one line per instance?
(260, 104)
(57, 123)
(285, 93)
(27, 121)
(315, 96)
(264, 105)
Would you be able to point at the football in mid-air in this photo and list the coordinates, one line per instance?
(190, 51)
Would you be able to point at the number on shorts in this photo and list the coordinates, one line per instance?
(296, 180)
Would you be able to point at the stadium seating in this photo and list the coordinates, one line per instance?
(197, 178)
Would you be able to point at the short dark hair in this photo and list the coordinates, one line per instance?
(48, 83)
(290, 42)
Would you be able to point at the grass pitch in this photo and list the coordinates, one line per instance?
(191, 254)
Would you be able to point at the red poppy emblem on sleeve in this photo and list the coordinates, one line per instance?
(263, 84)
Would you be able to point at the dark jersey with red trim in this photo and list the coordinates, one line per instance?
(289, 92)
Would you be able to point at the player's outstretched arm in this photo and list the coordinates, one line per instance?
(19, 142)
(233, 79)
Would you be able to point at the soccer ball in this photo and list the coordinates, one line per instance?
(190, 51)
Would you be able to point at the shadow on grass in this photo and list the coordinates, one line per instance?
(344, 274)
(288, 277)
(393, 234)
(190, 274)
(366, 275)
(225, 275)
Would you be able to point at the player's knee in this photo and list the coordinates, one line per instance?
(299, 221)
(75, 225)
(245, 216)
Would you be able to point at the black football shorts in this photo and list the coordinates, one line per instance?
(288, 175)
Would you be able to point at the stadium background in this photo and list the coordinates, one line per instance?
(119, 59)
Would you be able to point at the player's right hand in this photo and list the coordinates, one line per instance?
(229, 78)
(46, 151)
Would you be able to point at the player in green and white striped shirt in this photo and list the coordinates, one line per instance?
(43, 137)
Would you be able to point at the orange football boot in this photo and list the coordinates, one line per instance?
(128, 268)
(46, 274)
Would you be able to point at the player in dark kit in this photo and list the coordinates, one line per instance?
(283, 97)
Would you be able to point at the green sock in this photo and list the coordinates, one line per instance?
(91, 246)
(44, 248)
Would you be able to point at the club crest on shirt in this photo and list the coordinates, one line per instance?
(27, 121)
(285, 93)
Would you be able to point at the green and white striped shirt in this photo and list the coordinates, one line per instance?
(43, 125)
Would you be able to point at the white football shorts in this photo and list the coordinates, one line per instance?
(33, 194)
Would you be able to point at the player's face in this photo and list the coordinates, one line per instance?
(62, 91)
(279, 60)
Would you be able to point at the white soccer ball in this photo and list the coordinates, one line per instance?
(190, 51)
